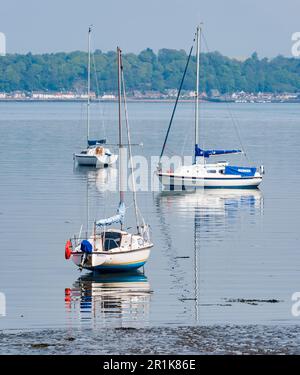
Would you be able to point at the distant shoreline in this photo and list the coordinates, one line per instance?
(14, 100)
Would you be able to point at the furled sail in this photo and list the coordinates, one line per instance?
(208, 153)
(95, 142)
(118, 218)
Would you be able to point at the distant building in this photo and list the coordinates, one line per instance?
(18, 95)
(172, 93)
(108, 97)
(214, 93)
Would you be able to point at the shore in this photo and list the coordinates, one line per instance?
(249, 339)
(130, 100)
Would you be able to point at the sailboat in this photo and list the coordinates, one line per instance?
(202, 173)
(114, 249)
(95, 154)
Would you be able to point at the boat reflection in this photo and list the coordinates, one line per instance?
(115, 300)
(205, 216)
(213, 202)
(105, 179)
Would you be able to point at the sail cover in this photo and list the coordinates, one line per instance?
(118, 218)
(241, 171)
(208, 153)
(95, 142)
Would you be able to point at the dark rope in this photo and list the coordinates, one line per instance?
(176, 102)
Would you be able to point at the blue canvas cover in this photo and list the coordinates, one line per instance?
(95, 142)
(208, 153)
(86, 247)
(240, 171)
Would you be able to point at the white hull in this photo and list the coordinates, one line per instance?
(173, 181)
(117, 261)
(95, 161)
(206, 176)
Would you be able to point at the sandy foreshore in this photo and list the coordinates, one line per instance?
(249, 339)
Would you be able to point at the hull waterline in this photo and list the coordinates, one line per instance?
(174, 182)
(95, 161)
(113, 262)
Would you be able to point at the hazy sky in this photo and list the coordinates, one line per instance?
(234, 27)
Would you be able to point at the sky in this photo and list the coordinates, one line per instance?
(235, 28)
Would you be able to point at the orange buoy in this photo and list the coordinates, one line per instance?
(68, 249)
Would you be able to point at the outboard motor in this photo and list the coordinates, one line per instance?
(262, 169)
(86, 247)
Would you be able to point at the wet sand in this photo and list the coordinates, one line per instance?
(232, 340)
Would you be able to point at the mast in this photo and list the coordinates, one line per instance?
(88, 86)
(176, 102)
(129, 149)
(120, 127)
(198, 35)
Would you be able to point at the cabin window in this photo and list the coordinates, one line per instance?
(112, 240)
(211, 171)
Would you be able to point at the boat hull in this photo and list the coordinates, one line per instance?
(95, 161)
(113, 261)
(177, 182)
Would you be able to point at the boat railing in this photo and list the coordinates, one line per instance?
(112, 243)
(76, 240)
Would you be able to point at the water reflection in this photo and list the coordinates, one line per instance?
(105, 179)
(202, 218)
(213, 202)
(117, 300)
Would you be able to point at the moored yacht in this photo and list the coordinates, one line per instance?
(211, 175)
(95, 154)
(114, 250)
(201, 173)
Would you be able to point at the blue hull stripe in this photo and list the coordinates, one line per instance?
(211, 178)
(231, 187)
(121, 267)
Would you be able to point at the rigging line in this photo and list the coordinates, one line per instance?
(233, 119)
(170, 151)
(98, 93)
(129, 147)
(187, 135)
(177, 98)
(81, 113)
(139, 211)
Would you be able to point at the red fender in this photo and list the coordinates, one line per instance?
(67, 295)
(68, 249)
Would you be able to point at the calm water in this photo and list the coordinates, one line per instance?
(213, 249)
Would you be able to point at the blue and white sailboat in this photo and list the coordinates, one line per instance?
(114, 249)
(202, 173)
(95, 154)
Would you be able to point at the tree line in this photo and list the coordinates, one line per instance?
(147, 71)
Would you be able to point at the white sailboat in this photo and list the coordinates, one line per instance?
(202, 173)
(113, 250)
(95, 154)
